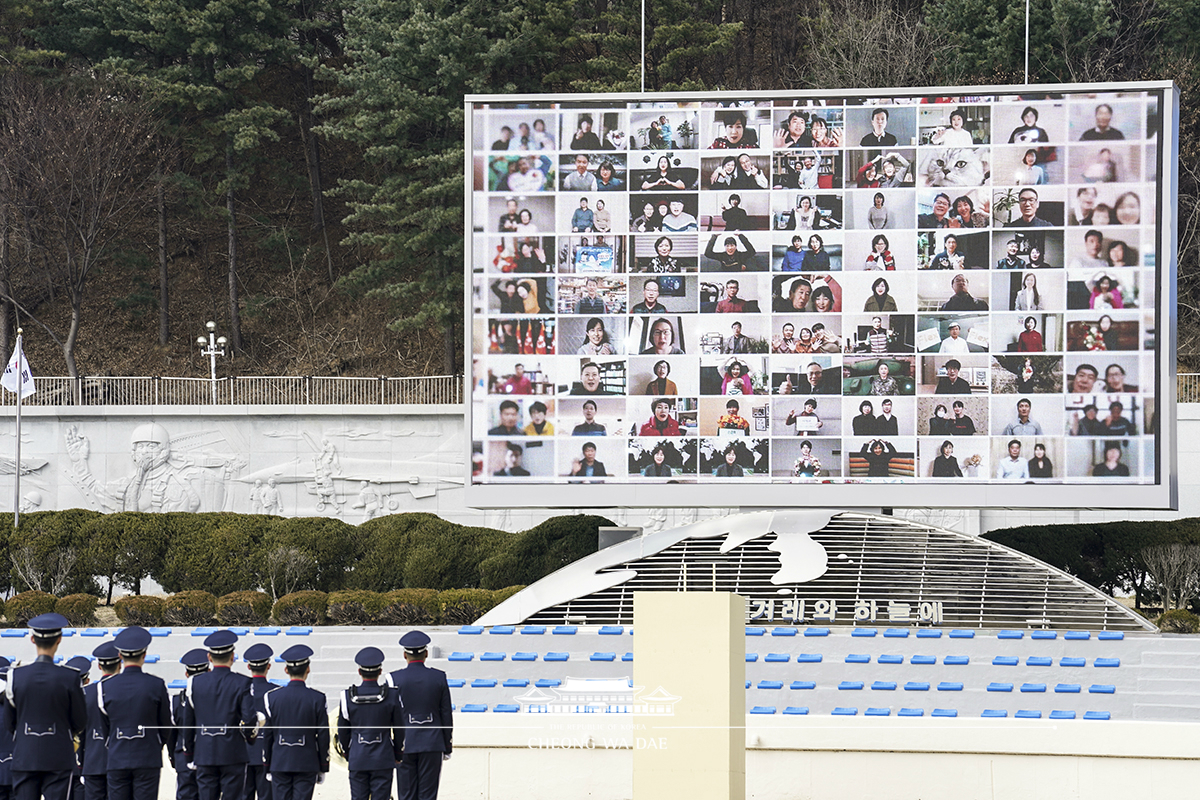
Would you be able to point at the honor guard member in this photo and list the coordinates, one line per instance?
(428, 723)
(93, 751)
(194, 662)
(6, 738)
(258, 661)
(370, 730)
(82, 665)
(218, 721)
(137, 709)
(297, 727)
(48, 711)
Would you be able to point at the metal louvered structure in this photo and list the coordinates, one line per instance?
(877, 566)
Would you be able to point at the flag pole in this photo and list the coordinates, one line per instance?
(17, 470)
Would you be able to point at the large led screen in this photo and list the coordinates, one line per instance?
(853, 299)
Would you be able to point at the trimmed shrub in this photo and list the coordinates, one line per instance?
(331, 548)
(541, 550)
(386, 544)
(1178, 620)
(80, 609)
(500, 595)
(464, 606)
(244, 608)
(49, 552)
(27, 605)
(214, 552)
(410, 607)
(301, 608)
(353, 607)
(190, 608)
(136, 609)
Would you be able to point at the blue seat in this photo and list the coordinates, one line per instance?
(816, 631)
(783, 631)
(890, 658)
(763, 710)
(944, 712)
(1028, 714)
(878, 712)
(751, 658)
(525, 656)
(802, 685)
(910, 712)
(278, 681)
(863, 632)
(471, 630)
(1005, 661)
(483, 683)
(1000, 687)
(11, 633)
(267, 631)
(956, 661)
(1107, 662)
(1067, 688)
(923, 660)
(298, 630)
(755, 631)
(858, 658)
(1096, 715)
(556, 657)
(501, 630)
(564, 630)
(1010, 635)
(896, 633)
(240, 631)
(948, 686)
(844, 711)
(1077, 635)
(962, 634)
(747, 684)
(1062, 715)
(178, 683)
(796, 710)
(928, 633)
(1072, 662)
(770, 684)
(994, 712)
(493, 657)
(1110, 636)
(547, 683)
(506, 708)
(808, 658)
(159, 631)
(1033, 687)
(612, 630)
(778, 658)
(68, 632)
(533, 630)
(1102, 688)
(474, 708)
(1043, 635)
(916, 686)
(850, 686)
(195, 632)
(603, 657)
(149, 659)
(627, 657)
(462, 657)
(515, 683)
(456, 683)
(1039, 661)
(883, 686)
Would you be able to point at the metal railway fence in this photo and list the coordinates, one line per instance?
(253, 391)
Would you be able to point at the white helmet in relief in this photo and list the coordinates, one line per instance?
(151, 444)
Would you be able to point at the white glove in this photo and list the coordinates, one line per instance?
(445, 756)
(191, 766)
(320, 778)
(83, 779)
(268, 777)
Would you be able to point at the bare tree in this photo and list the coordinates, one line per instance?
(53, 576)
(78, 167)
(1175, 569)
(286, 567)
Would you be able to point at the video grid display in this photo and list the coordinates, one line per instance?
(863, 289)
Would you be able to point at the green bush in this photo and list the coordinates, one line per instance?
(386, 544)
(27, 605)
(464, 606)
(301, 608)
(353, 607)
(79, 609)
(141, 610)
(332, 547)
(410, 607)
(541, 550)
(1178, 621)
(49, 552)
(190, 608)
(244, 608)
(219, 553)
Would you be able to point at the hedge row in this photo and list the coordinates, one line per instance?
(66, 552)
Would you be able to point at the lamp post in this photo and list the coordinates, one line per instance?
(212, 347)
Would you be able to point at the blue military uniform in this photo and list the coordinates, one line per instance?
(48, 711)
(428, 722)
(370, 730)
(297, 727)
(194, 662)
(6, 739)
(137, 713)
(93, 752)
(82, 665)
(218, 720)
(258, 659)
